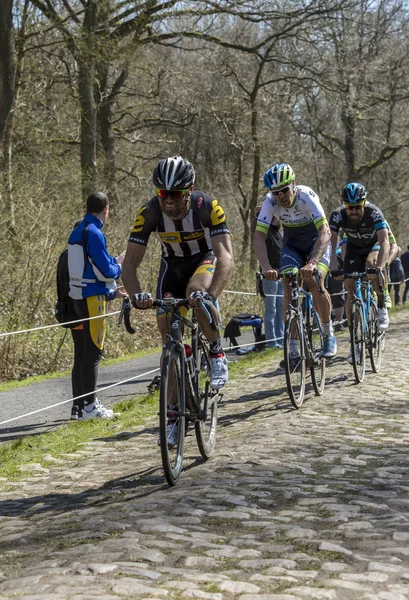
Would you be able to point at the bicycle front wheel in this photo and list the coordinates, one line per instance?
(172, 414)
(375, 340)
(358, 341)
(206, 423)
(318, 363)
(294, 360)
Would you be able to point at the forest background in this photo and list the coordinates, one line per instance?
(94, 92)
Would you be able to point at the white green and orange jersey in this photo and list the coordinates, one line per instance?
(300, 221)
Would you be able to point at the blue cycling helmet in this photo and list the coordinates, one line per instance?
(354, 193)
(279, 176)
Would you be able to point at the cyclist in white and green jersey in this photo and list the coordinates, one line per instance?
(306, 240)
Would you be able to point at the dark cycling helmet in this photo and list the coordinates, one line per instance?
(173, 173)
(353, 193)
(279, 176)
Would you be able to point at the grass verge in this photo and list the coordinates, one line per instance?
(71, 436)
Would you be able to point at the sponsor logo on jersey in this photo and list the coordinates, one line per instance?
(375, 215)
(170, 237)
(192, 235)
(139, 221)
(137, 240)
(207, 262)
(219, 231)
(311, 193)
(336, 217)
(200, 202)
(217, 215)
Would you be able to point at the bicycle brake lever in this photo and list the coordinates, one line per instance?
(125, 302)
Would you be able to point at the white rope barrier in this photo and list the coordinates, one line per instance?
(107, 387)
(226, 349)
(78, 321)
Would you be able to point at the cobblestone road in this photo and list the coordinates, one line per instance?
(309, 504)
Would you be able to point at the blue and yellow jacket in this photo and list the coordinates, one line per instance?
(92, 270)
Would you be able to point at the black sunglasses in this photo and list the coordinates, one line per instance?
(283, 190)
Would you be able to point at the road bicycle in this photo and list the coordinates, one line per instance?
(364, 328)
(185, 395)
(303, 326)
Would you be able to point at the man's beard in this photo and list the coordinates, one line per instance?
(175, 212)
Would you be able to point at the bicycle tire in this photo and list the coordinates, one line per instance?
(172, 393)
(295, 369)
(318, 366)
(358, 341)
(206, 423)
(375, 339)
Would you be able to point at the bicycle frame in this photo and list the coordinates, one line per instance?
(197, 404)
(364, 329)
(363, 294)
(306, 313)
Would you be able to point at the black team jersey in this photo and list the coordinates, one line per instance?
(184, 237)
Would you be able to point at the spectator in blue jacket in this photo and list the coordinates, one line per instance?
(93, 274)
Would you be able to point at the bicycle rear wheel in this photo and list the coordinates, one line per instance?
(294, 363)
(358, 341)
(206, 423)
(375, 340)
(172, 412)
(318, 362)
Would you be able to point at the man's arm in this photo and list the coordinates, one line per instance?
(334, 241)
(324, 236)
(393, 252)
(223, 251)
(133, 258)
(383, 254)
(260, 248)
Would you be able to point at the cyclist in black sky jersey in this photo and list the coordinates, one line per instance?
(367, 245)
(197, 256)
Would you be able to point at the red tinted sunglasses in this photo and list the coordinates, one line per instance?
(353, 206)
(173, 194)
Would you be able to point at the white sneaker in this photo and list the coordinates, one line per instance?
(171, 435)
(219, 373)
(98, 411)
(383, 318)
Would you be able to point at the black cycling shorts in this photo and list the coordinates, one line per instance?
(175, 274)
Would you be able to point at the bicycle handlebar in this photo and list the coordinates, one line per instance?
(291, 276)
(370, 271)
(127, 306)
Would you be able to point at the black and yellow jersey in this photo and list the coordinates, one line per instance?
(185, 237)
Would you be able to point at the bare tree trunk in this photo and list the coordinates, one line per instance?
(106, 131)
(349, 124)
(11, 71)
(86, 79)
(7, 68)
(256, 176)
(88, 129)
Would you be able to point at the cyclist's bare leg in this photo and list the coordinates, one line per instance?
(321, 300)
(202, 282)
(371, 262)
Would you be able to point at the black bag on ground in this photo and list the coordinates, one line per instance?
(64, 307)
(232, 329)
